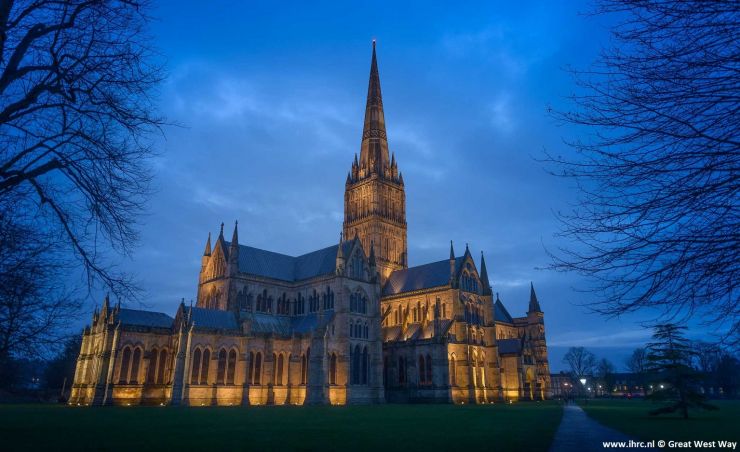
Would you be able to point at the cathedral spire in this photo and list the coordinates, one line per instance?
(374, 149)
(207, 251)
(484, 275)
(235, 236)
(534, 305)
(452, 252)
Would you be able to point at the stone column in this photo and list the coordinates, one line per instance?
(180, 385)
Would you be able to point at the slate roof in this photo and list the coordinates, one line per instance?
(285, 326)
(509, 346)
(214, 319)
(500, 312)
(420, 277)
(269, 264)
(144, 318)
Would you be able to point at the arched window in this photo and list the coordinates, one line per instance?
(385, 371)
(151, 371)
(135, 361)
(280, 364)
(221, 373)
(250, 372)
(257, 379)
(453, 370)
(366, 332)
(195, 367)
(422, 371)
(351, 328)
(401, 370)
(161, 366)
(429, 369)
(333, 369)
(303, 369)
(231, 367)
(125, 365)
(365, 365)
(205, 365)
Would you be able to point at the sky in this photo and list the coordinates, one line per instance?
(269, 102)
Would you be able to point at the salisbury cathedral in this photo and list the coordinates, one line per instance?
(350, 323)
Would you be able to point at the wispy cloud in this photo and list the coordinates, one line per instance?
(623, 338)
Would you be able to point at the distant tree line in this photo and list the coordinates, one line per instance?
(670, 368)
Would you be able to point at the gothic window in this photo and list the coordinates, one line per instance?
(351, 328)
(422, 371)
(356, 267)
(453, 371)
(125, 365)
(151, 372)
(221, 373)
(303, 369)
(401, 370)
(161, 363)
(365, 365)
(195, 367)
(135, 362)
(205, 366)
(366, 331)
(257, 376)
(241, 299)
(282, 305)
(250, 371)
(429, 369)
(328, 298)
(280, 363)
(231, 368)
(313, 302)
(333, 369)
(250, 298)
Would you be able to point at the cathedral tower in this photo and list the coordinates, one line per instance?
(374, 197)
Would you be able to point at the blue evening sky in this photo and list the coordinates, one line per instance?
(271, 98)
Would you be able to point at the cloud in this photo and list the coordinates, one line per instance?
(623, 338)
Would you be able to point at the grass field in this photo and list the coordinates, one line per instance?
(631, 417)
(521, 426)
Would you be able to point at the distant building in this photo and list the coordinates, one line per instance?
(349, 323)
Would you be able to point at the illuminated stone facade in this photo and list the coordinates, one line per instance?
(346, 324)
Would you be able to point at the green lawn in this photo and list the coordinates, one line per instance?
(521, 426)
(632, 418)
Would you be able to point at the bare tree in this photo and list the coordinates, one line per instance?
(77, 86)
(35, 306)
(581, 362)
(658, 222)
(638, 365)
(605, 372)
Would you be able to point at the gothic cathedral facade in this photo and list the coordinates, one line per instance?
(351, 323)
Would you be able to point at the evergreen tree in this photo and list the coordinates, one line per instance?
(669, 358)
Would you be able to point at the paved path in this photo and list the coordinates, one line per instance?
(578, 432)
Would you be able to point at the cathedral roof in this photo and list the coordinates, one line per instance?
(501, 314)
(509, 346)
(144, 318)
(286, 326)
(269, 264)
(420, 277)
(214, 319)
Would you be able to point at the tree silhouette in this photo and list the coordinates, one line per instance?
(77, 80)
(658, 221)
(669, 358)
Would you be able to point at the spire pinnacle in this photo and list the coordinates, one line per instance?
(221, 234)
(452, 252)
(374, 156)
(534, 304)
(207, 251)
(484, 274)
(235, 236)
